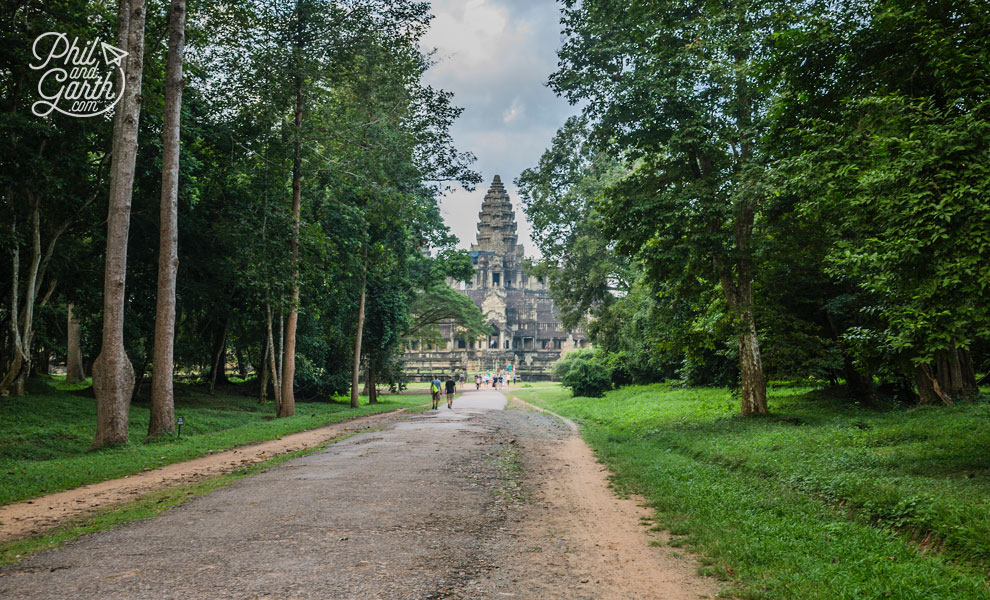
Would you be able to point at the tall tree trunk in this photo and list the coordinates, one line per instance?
(74, 372)
(218, 368)
(276, 388)
(113, 375)
(162, 393)
(242, 364)
(372, 382)
(288, 405)
(753, 387)
(968, 373)
(265, 374)
(738, 291)
(355, 375)
(17, 361)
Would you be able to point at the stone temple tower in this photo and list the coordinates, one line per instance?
(496, 255)
(525, 329)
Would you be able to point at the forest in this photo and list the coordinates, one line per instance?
(753, 191)
(756, 191)
(264, 195)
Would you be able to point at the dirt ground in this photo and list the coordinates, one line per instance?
(469, 503)
(28, 518)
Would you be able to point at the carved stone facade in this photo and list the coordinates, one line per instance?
(526, 331)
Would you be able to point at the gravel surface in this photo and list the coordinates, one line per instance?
(445, 504)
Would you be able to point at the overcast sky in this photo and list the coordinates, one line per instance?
(495, 56)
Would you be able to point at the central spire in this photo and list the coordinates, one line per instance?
(496, 221)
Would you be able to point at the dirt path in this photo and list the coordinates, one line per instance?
(471, 503)
(592, 541)
(35, 516)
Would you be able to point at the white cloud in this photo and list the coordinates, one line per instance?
(514, 111)
(496, 56)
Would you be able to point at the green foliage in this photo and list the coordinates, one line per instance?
(583, 372)
(588, 378)
(890, 504)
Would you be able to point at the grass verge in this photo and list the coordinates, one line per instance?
(45, 437)
(148, 506)
(821, 500)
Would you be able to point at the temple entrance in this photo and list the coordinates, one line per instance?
(494, 336)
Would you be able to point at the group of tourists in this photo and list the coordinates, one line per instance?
(438, 386)
(496, 380)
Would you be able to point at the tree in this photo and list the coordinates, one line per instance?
(162, 399)
(113, 374)
(74, 371)
(891, 158)
(674, 85)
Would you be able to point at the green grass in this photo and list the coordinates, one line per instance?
(45, 437)
(819, 500)
(148, 506)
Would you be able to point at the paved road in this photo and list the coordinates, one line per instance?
(399, 513)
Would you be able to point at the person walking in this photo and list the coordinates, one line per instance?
(451, 388)
(477, 381)
(435, 386)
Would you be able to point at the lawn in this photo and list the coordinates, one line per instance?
(45, 437)
(822, 499)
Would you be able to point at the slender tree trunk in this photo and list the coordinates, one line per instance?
(277, 389)
(372, 382)
(242, 364)
(74, 372)
(753, 389)
(162, 393)
(218, 370)
(288, 405)
(17, 361)
(355, 375)
(265, 374)
(113, 375)
(739, 297)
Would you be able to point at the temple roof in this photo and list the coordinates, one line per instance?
(496, 221)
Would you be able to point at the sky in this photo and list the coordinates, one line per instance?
(496, 56)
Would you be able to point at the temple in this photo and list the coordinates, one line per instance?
(526, 331)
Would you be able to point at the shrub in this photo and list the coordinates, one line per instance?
(562, 366)
(587, 378)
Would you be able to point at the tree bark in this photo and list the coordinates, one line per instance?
(218, 366)
(162, 393)
(372, 382)
(17, 361)
(929, 388)
(753, 387)
(738, 291)
(113, 375)
(355, 374)
(926, 393)
(968, 373)
(74, 369)
(74, 372)
(288, 407)
(276, 388)
(265, 374)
